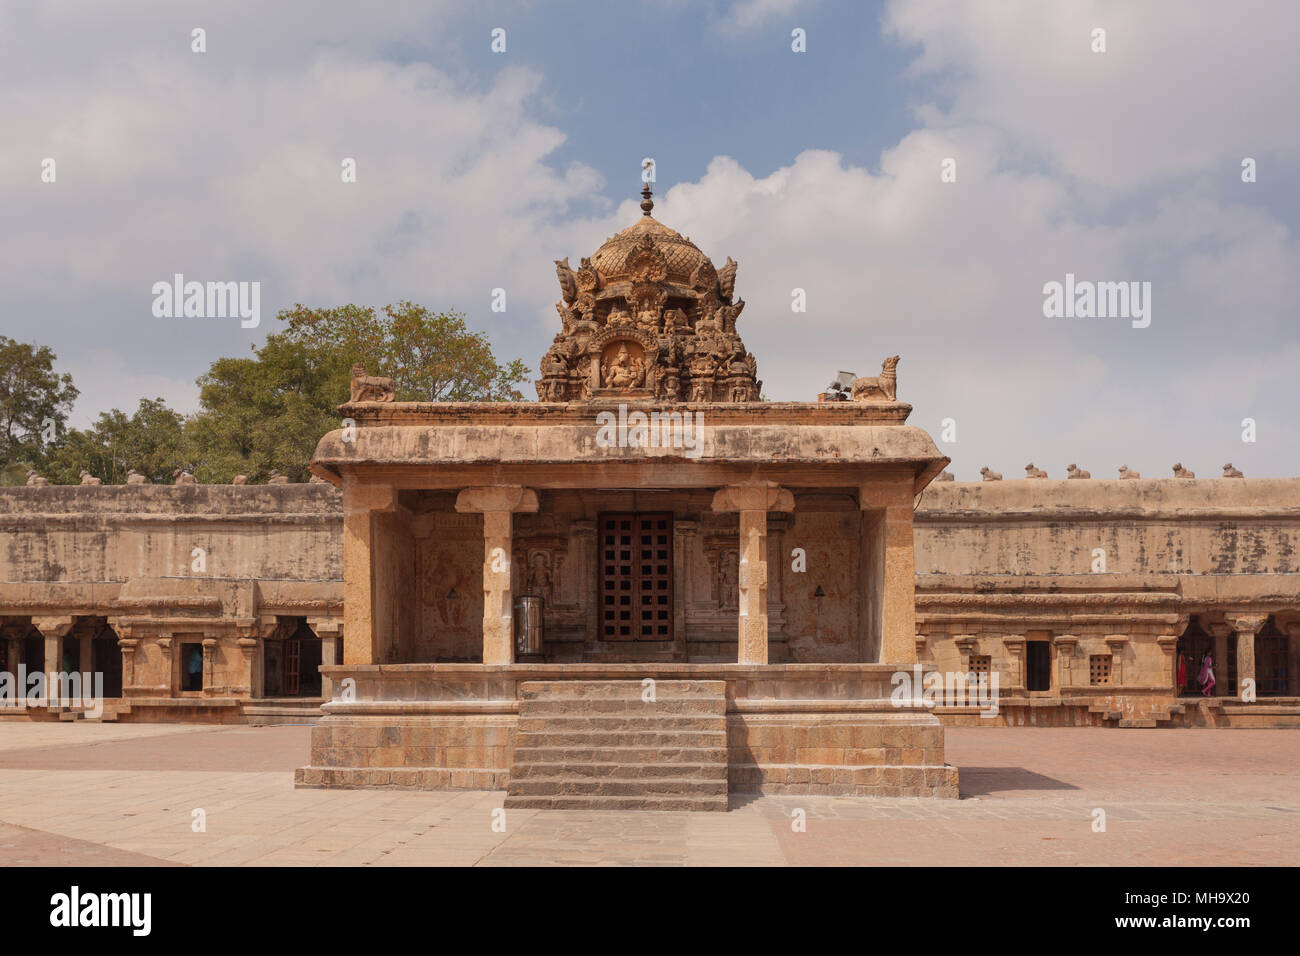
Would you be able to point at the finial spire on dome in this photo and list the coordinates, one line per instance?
(647, 203)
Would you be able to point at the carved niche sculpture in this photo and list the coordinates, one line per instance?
(371, 388)
(881, 388)
(649, 314)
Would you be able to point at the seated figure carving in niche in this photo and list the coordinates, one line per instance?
(624, 370)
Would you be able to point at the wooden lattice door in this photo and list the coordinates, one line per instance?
(636, 579)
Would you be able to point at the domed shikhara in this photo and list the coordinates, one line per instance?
(648, 316)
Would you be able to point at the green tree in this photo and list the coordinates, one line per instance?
(266, 412)
(34, 399)
(431, 356)
(151, 440)
(269, 411)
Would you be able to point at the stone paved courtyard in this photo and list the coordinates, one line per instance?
(105, 794)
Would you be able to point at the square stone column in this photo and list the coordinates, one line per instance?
(753, 500)
(890, 504)
(364, 584)
(1246, 626)
(497, 504)
(330, 632)
(54, 630)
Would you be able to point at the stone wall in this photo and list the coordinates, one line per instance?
(1000, 566)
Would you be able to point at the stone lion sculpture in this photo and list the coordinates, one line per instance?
(371, 388)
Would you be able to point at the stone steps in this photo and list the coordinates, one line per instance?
(624, 755)
(602, 745)
(646, 737)
(604, 770)
(598, 802)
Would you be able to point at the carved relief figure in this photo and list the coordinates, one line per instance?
(539, 575)
(624, 370)
(729, 580)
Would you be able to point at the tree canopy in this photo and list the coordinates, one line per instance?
(34, 402)
(255, 414)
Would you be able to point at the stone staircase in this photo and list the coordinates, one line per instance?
(598, 745)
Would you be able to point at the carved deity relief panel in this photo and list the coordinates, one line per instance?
(449, 582)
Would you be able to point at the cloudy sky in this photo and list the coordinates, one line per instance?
(818, 170)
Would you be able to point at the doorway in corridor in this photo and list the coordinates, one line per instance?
(636, 576)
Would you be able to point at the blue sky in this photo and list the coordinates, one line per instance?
(816, 170)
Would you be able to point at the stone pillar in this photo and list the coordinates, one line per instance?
(1220, 633)
(54, 630)
(1066, 646)
(330, 632)
(363, 584)
(684, 533)
(1015, 645)
(753, 499)
(86, 656)
(498, 505)
(209, 664)
(891, 504)
(1246, 626)
(1168, 644)
(1292, 659)
(1117, 644)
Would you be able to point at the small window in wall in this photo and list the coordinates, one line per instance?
(1099, 669)
(191, 667)
(1038, 665)
(980, 666)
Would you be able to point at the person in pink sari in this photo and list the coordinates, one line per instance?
(1206, 677)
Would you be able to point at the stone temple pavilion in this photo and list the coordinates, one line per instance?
(586, 600)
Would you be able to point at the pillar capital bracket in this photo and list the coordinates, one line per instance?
(508, 498)
(753, 496)
(1247, 623)
(54, 626)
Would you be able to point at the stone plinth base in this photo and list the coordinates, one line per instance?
(790, 728)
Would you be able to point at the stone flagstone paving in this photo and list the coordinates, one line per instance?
(103, 794)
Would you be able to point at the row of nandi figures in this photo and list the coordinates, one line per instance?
(1074, 471)
(179, 477)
